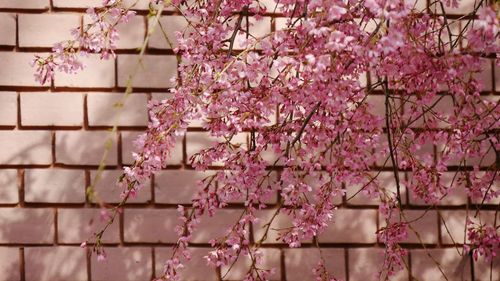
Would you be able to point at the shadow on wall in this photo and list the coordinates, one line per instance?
(55, 263)
(85, 147)
(9, 186)
(10, 264)
(33, 227)
(23, 225)
(123, 264)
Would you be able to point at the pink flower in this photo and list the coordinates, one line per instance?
(104, 215)
(294, 119)
(336, 12)
(484, 240)
(101, 255)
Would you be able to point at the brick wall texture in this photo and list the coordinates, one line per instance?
(52, 139)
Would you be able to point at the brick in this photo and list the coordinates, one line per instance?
(128, 148)
(486, 75)
(20, 71)
(108, 109)
(54, 186)
(126, 264)
(195, 269)
(464, 7)
(71, 263)
(8, 108)
(486, 271)
(131, 33)
(281, 23)
(26, 4)
(109, 191)
(423, 222)
(270, 5)
(387, 185)
(351, 226)
(456, 194)
(84, 147)
(171, 25)
(376, 106)
(217, 226)
(141, 4)
(300, 262)
(452, 224)
(25, 147)
(137, 4)
(271, 157)
(374, 78)
(147, 75)
(454, 266)
(177, 186)
(51, 109)
(9, 192)
(97, 73)
(44, 30)
(198, 122)
(270, 260)
(419, 5)
(363, 80)
(497, 78)
(151, 226)
(76, 3)
(78, 225)
(27, 226)
(7, 29)
(365, 263)
(280, 222)
(160, 96)
(10, 265)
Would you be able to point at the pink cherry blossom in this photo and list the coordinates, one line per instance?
(484, 240)
(291, 106)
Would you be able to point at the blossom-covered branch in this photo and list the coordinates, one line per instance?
(296, 96)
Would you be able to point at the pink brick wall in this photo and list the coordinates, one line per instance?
(52, 139)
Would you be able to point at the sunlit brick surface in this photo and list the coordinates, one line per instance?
(52, 139)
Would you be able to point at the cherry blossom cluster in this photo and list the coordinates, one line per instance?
(483, 36)
(391, 235)
(290, 114)
(99, 35)
(484, 240)
(308, 75)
